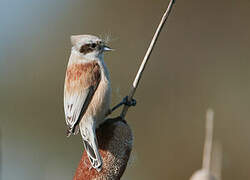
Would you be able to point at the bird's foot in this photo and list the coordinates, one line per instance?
(129, 103)
(108, 112)
(125, 101)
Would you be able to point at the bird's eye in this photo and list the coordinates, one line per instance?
(93, 45)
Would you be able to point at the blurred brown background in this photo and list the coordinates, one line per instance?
(201, 60)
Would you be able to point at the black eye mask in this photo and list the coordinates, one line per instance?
(86, 49)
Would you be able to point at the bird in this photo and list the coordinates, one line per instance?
(87, 92)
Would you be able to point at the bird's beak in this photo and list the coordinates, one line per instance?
(106, 48)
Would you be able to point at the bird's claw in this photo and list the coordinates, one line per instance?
(129, 103)
(108, 112)
(125, 101)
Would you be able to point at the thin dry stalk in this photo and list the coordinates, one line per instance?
(205, 172)
(146, 57)
(208, 140)
(217, 159)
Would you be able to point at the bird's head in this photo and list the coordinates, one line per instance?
(89, 46)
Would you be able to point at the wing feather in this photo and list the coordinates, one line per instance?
(81, 83)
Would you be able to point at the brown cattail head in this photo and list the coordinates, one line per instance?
(115, 140)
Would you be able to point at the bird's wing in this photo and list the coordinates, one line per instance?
(80, 84)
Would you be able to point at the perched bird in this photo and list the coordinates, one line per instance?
(87, 92)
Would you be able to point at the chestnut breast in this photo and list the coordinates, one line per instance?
(82, 76)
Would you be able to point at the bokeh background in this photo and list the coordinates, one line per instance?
(201, 60)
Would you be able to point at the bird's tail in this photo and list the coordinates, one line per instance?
(72, 130)
(91, 147)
